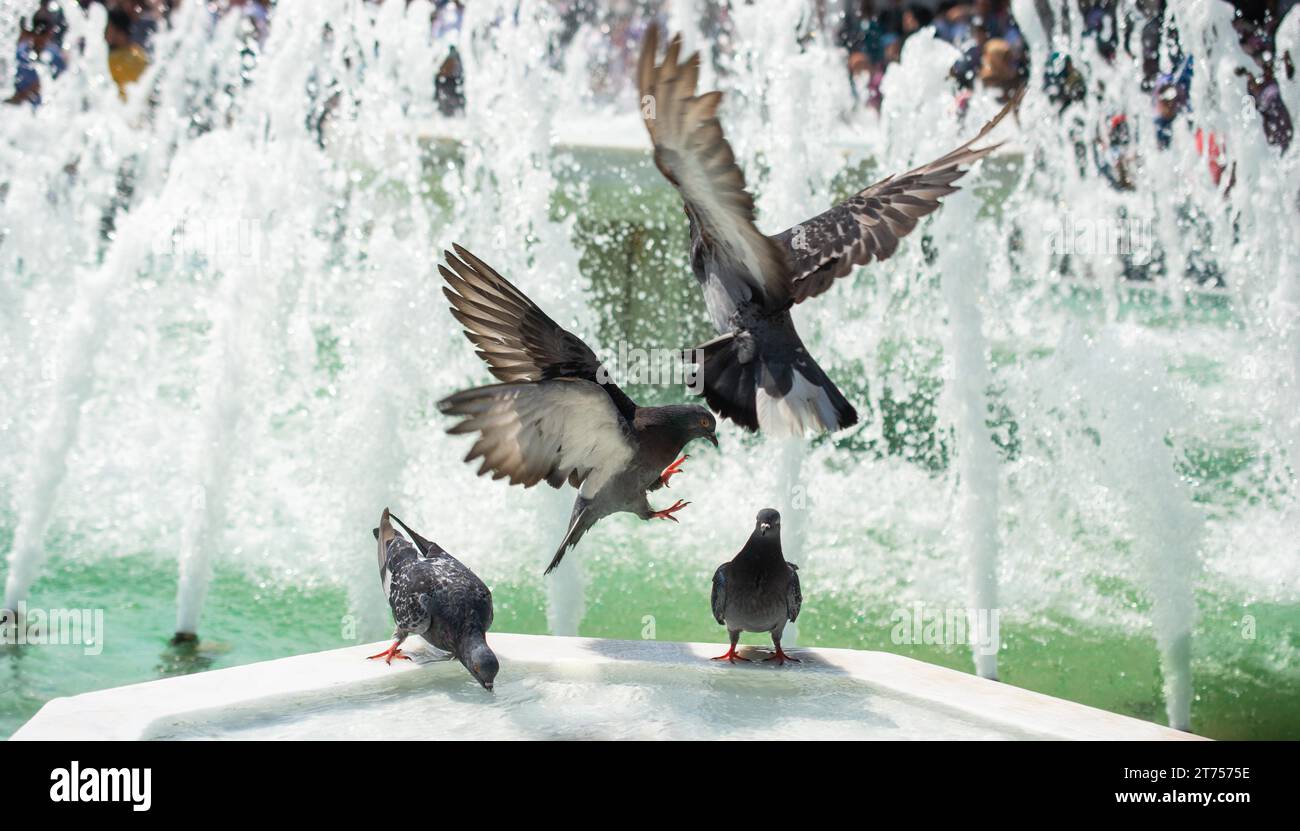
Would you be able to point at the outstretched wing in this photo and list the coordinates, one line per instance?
(563, 429)
(513, 336)
(693, 154)
(719, 597)
(793, 595)
(868, 225)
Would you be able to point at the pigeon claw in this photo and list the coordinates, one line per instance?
(667, 513)
(731, 656)
(672, 469)
(780, 657)
(389, 654)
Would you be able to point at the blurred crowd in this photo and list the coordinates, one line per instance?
(872, 33)
(992, 51)
(128, 34)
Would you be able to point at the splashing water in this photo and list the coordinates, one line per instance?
(222, 339)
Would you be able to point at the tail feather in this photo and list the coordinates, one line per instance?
(781, 398)
(729, 380)
(579, 524)
(383, 535)
(426, 547)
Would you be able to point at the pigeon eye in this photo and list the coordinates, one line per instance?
(704, 422)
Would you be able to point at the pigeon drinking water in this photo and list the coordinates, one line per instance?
(435, 596)
(758, 373)
(555, 416)
(758, 591)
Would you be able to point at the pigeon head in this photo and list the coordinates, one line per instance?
(481, 662)
(768, 523)
(692, 421)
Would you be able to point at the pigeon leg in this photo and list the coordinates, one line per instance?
(673, 469)
(780, 657)
(667, 513)
(731, 656)
(390, 653)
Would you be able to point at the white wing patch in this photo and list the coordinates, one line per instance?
(805, 407)
(548, 430)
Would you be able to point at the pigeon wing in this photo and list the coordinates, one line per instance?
(513, 336)
(793, 595)
(692, 153)
(411, 599)
(868, 225)
(563, 429)
(719, 597)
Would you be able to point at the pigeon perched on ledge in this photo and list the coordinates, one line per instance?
(758, 591)
(555, 416)
(758, 373)
(435, 596)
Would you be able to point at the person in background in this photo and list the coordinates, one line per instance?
(1063, 82)
(1257, 41)
(1169, 100)
(127, 59)
(916, 18)
(999, 70)
(449, 83)
(1212, 148)
(863, 35)
(144, 17)
(1065, 86)
(38, 44)
(952, 22)
(1114, 152)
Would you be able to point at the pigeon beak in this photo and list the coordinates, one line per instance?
(763, 527)
(487, 685)
(713, 439)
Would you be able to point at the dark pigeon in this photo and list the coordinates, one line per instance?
(758, 373)
(758, 591)
(435, 596)
(555, 416)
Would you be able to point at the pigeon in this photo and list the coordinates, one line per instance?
(758, 591)
(435, 596)
(556, 416)
(757, 372)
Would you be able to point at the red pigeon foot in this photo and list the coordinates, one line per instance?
(780, 657)
(667, 513)
(731, 656)
(672, 469)
(390, 653)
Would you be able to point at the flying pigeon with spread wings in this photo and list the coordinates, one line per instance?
(757, 372)
(555, 416)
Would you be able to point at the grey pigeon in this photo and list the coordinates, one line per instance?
(757, 372)
(556, 417)
(758, 591)
(435, 596)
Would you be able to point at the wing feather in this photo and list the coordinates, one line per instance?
(868, 225)
(557, 430)
(793, 594)
(718, 598)
(693, 154)
(516, 339)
